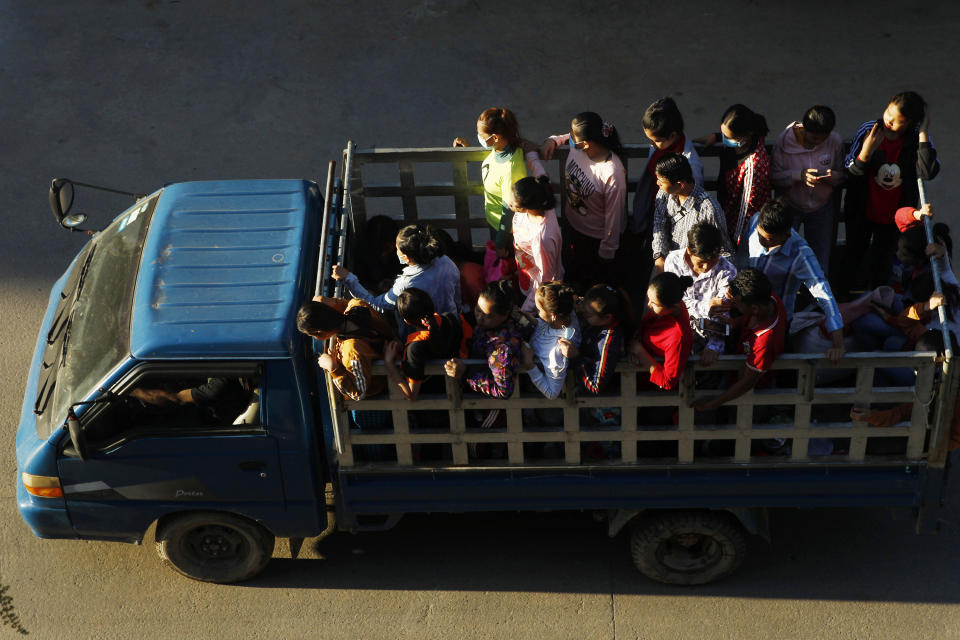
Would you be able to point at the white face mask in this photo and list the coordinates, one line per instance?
(483, 141)
(402, 258)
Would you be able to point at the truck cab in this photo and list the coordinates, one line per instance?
(192, 290)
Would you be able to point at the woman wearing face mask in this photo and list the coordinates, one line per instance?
(744, 181)
(886, 158)
(511, 158)
(595, 188)
(425, 267)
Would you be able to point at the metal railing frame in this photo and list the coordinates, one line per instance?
(927, 433)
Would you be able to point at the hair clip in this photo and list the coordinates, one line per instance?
(607, 129)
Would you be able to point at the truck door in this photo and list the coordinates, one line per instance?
(174, 439)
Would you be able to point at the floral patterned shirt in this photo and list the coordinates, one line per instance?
(501, 349)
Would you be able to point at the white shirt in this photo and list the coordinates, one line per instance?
(706, 286)
(546, 349)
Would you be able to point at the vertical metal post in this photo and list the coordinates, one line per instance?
(935, 268)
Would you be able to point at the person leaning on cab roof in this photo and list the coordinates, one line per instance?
(358, 335)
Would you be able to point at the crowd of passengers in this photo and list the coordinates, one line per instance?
(727, 274)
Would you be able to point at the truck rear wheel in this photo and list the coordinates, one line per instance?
(214, 547)
(688, 547)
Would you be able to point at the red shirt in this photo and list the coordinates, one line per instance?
(886, 185)
(669, 338)
(764, 344)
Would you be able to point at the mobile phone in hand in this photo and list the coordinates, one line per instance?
(714, 326)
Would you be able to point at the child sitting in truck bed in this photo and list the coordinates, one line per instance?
(358, 335)
(425, 268)
(665, 334)
(435, 336)
(607, 314)
(545, 362)
(711, 273)
(498, 341)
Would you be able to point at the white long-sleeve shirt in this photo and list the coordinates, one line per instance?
(546, 350)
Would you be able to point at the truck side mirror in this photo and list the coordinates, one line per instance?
(77, 437)
(61, 200)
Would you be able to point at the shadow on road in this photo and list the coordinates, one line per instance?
(851, 554)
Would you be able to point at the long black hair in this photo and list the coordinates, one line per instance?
(590, 127)
(419, 244)
(315, 317)
(608, 300)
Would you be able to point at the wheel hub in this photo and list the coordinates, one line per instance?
(689, 552)
(215, 542)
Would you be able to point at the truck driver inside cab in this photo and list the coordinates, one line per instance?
(218, 400)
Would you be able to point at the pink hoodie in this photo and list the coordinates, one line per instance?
(790, 158)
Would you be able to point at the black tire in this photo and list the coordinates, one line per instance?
(688, 547)
(214, 547)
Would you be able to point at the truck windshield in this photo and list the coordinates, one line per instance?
(98, 330)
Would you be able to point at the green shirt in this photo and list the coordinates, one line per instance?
(500, 170)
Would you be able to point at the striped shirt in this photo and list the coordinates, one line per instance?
(791, 265)
(672, 219)
(601, 350)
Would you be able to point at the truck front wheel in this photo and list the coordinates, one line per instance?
(688, 547)
(214, 547)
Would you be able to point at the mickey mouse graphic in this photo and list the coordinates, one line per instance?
(888, 176)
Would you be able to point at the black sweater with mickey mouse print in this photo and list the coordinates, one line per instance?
(916, 159)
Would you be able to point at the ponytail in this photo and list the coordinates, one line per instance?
(590, 127)
(419, 244)
(616, 302)
(534, 193)
(744, 123)
(501, 122)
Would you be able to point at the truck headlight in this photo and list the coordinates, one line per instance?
(42, 486)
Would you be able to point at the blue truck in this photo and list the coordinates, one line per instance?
(198, 284)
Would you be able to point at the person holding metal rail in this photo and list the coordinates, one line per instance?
(510, 159)
(886, 157)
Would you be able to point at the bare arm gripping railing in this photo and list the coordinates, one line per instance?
(937, 281)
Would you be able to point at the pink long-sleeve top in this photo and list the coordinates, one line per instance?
(537, 243)
(596, 197)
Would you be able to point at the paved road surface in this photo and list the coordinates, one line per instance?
(136, 94)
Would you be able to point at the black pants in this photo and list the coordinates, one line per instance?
(582, 264)
(871, 248)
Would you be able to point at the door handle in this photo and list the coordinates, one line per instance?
(252, 465)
